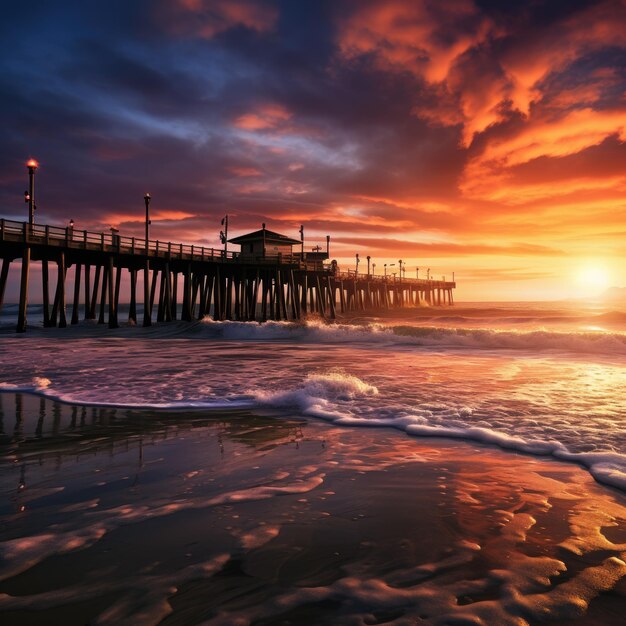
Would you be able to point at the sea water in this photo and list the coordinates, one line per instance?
(542, 378)
(224, 472)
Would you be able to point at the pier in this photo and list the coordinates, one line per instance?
(254, 285)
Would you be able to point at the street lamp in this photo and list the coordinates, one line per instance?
(417, 272)
(224, 235)
(400, 262)
(368, 265)
(302, 239)
(356, 271)
(373, 269)
(29, 196)
(147, 199)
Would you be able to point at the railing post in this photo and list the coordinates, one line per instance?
(47, 234)
(132, 245)
(169, 248)
(85, 239)
(26, 232)
(181, 250)
(192, 251)
(1, 230)
(202, 253)
(102, 240)
(157, 248)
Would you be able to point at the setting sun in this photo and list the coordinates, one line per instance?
(594, 278)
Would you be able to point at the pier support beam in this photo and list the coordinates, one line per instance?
(147, 317)
(3, 279)
(76, 303)
(113, 292)
(21, 315)
(61, 290)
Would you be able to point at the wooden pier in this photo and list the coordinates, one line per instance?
(209, 282)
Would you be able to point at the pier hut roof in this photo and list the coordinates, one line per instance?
(270, 236)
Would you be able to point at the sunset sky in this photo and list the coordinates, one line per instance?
(485, 138)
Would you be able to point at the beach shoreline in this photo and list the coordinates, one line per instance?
(309, 521)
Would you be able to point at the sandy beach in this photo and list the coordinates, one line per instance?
(237, 517)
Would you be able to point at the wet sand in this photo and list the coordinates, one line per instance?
(113, 516)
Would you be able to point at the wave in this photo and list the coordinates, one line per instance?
(427, 337)
(363, 332)
(344, 400)
(319, 395)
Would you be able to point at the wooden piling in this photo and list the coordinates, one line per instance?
(61, 289)
(94, 297)
(21, 315)
(76, 303)
(147, 315)
(6, 263)
(132, 309)
(112, 294)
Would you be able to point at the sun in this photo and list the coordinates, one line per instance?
(594, 277)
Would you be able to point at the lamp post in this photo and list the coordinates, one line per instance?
(373, 269)
(417, 272)
(328, 245)
(29, 196)
(368, 265)
(302, 240)
(356, 271)
(147, 313)
(428, 274)
(147, 199)
(400, 263)
(70, 230)
(224, 235)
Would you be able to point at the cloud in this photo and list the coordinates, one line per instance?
(472, 128)
(208, 18)
(267, 116)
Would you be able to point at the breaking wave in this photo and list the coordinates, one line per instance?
(597, 342)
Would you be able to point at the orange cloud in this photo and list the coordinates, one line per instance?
(404, 36)
(486, 175)
(244, 172)
(265, 117)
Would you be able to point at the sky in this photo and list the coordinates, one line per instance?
(482, 138)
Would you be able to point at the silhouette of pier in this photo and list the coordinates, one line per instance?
(246, 285)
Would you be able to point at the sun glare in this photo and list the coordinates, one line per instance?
(594, 277)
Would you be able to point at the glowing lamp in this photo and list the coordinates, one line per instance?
(32, 164)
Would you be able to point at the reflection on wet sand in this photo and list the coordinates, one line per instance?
(139, 517)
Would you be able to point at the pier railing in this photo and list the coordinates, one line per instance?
(427, 283)
(75, 239)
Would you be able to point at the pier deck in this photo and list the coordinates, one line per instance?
(224, 285)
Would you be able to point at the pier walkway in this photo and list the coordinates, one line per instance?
(224, 285)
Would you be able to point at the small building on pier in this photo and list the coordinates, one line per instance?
(265, 243)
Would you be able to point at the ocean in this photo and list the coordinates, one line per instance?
(459, 466)
(542, 378)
